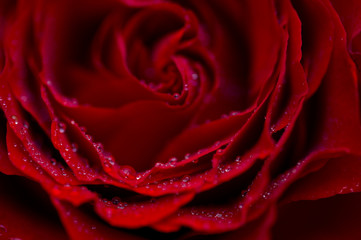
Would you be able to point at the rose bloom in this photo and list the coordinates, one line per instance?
(189, 119)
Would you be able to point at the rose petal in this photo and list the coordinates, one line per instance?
(316, 45)
(345, 179)
(82, 225)
(330, 218)
(134, 215)
(26, 212)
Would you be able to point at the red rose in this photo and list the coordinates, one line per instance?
(180, 119)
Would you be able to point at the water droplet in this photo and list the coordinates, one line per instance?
(98, 146)
(172, 161)
(194, 76)
(158, 165)
(116, 200)
(74, 147)
(187, 156)
(266, 195)
(195, 160)
(61, 127)
(15, 119)
(176, 95)
(53, 161)
(186, 179)
(228, 169)
(234, 113)
(126, 172)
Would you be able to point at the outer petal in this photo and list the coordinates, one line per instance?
(331, 218)
(25, 211)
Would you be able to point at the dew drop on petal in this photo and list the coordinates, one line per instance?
(272, 129)
(116, 200)
(172, 161)
(186, 179)
(61, 127)
(53, 161)
(99, 147)
(74, 147)
(234, 113)
(200, 152)
(15, 119)
(126, 172)
(158, 165)
(228, 169)
(176, 95)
